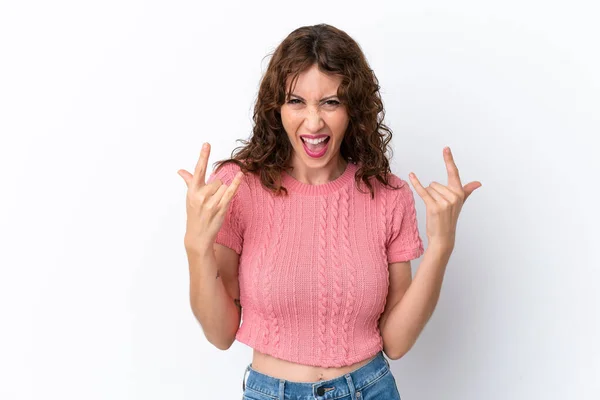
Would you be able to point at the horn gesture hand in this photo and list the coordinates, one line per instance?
(444, 203)
(206, 203)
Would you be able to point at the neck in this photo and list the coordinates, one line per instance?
(317, 176)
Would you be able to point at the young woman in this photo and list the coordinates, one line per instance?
(307, 230)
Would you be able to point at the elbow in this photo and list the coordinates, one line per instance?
(396, 355)
(222, 345)
(221, 342)
(398, 351)
(222, 337)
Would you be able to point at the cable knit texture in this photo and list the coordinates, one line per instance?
(313, 268)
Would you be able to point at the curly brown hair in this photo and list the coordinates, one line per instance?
(268, 152)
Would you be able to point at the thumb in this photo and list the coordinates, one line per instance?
(187, 177)
(470, 188)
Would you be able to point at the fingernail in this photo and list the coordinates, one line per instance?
(205, 146)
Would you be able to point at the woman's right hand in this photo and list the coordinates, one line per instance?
(206, 204)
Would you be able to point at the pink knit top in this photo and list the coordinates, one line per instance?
(313, 269)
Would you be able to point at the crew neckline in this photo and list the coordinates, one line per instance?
(294, 185)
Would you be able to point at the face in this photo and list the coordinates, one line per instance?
(313, 112)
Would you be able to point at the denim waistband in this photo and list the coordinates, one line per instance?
(337, 387)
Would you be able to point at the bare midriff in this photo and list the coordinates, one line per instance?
(290, 371)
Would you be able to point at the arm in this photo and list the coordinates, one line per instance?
(403, 320)
(218, 313)
(210, 210)
(407, 318)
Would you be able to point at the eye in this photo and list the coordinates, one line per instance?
(332, 102)
(292, 101)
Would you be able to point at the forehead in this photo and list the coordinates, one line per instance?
(313, 82)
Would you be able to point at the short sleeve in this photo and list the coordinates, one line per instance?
(404, 241)
(231, 233)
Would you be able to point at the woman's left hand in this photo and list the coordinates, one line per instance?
(444, 203)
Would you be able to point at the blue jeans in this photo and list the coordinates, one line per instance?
(372, 381)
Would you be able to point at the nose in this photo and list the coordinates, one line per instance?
(313, 120)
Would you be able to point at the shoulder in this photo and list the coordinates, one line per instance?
(396, 200)
(403, 187)
(396, 180)
(225, 172)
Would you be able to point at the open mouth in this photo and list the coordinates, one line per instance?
(316, 147)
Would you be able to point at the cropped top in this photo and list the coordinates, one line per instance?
(313, 265)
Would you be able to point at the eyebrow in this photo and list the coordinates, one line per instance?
(323, 99)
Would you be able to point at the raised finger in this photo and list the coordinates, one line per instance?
(211, 188)
(453, 175)
(230, 192)
(200, 170)
(420, 189)
(216, 195)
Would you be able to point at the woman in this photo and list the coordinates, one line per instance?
(320, 265)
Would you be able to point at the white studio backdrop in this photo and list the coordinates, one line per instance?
(102, 102)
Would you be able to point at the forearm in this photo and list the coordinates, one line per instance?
(213, 307)
(409, 316)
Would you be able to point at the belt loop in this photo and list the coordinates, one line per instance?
(351, 386)
(244, 379)
(281, 389)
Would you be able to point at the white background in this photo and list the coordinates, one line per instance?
(102, 102)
